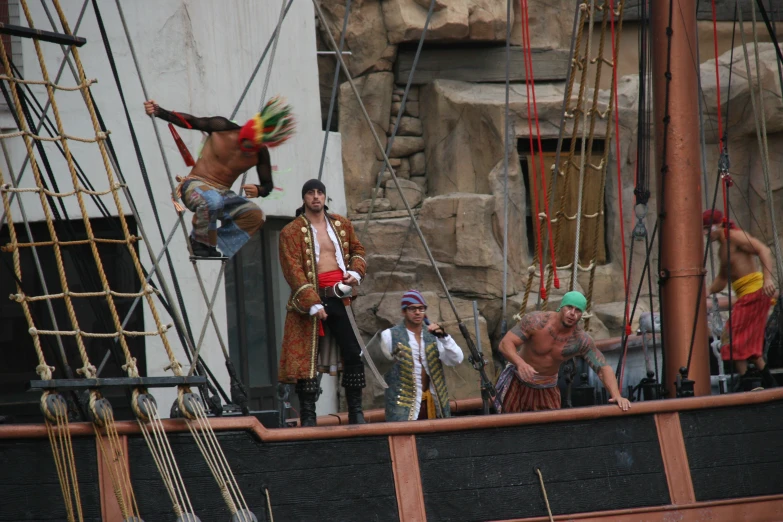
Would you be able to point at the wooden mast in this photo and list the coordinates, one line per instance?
(679, 193)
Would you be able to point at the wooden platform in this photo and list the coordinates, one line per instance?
(711, 458)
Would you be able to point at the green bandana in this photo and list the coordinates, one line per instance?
(575, 299)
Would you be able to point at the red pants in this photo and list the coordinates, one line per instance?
(521, 397)
(747, 327)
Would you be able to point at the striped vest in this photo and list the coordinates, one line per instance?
(401, 393)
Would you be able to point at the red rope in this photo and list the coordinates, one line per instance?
(717, 73)
(533, 180)
(619, 165)
(529, 50)
(725, 184)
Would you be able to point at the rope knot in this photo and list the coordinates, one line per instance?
(44, 371)
(16, 297)
(33, 332)
(131, 368)
(175, 367)
(88, 370)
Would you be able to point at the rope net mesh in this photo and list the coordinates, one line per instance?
(53, 405)
(578, 220)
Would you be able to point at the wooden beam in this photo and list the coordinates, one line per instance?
(407, 478)
(479, 64)
(738, 509)
(675, 458)
(38, 34)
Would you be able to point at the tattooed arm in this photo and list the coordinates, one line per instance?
(585, 348)
(513, 342)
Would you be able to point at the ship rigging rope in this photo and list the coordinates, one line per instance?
(62, 449)
(761, 132)
(615, 52)
(583, 156)
(488, 389)
(275, 40)
(530, 85)
(88, 369)
(56, 409)
(558, 149)
(206, 440)
(333, 97)
(506, 140)
(543, 491)
(587, 9)
(235, 384)
(181, 320)
(612, 110)
(43, 120)
(575, 62)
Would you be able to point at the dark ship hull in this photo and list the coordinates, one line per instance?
(705, 458)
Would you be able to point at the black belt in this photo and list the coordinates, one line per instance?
(327, 292)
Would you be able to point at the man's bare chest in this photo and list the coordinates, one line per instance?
(223, 152)
(547, 342)
(325, 244)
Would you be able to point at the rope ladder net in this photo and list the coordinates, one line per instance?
(53, 404)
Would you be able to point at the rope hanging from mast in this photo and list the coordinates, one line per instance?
(581, 60)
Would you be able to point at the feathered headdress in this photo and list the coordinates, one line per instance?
(271, 127)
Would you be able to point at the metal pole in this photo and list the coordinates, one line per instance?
(476, 326)
(679, 190)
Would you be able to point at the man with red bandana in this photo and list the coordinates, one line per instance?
(321, 258)
(754, 288)
(229, 151)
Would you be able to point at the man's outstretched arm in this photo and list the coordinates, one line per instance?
(595, 359)
(188, 121)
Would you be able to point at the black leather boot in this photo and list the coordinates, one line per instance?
(353, 382)
(307, 390)
(767, 379)
(750, 380)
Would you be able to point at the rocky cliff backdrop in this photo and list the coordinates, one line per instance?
(449, 152)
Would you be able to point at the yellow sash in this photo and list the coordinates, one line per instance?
(748, 284)
(427, 396)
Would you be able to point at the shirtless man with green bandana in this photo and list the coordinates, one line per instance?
(535, 349)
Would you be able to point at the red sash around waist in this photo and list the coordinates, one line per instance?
(330, 278)
(325, 280)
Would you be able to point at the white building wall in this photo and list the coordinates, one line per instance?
(196, 56)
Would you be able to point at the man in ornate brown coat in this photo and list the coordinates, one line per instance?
(321, 258)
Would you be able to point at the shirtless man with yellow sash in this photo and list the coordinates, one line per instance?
(754, 288)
